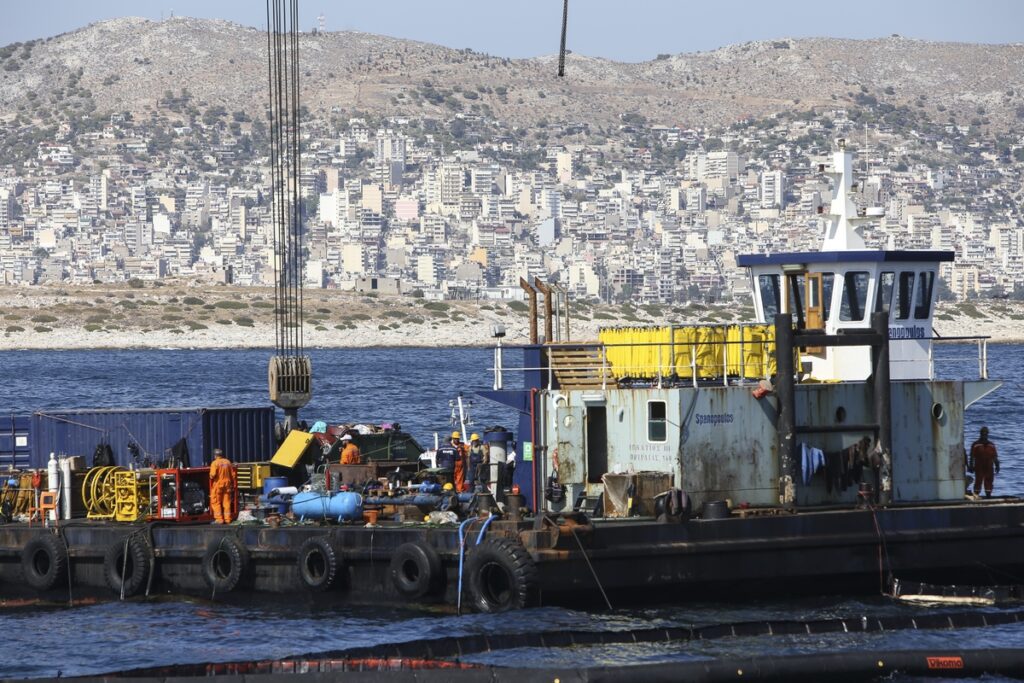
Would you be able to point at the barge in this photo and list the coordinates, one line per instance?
(814, 450)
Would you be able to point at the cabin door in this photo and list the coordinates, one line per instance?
(597, 443)
(569, 429)
(815, 307)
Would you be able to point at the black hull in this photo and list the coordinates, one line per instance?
(845, 552)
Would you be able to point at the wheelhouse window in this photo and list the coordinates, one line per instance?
(768, 285)
(827, 281)
(855, 293)
(924, 295)
(657, 421)
(904, 295)
(797, 285)
(883, 302)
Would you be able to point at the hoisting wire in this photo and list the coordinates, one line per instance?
(285, 171)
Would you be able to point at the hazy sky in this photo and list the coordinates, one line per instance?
(628, 30)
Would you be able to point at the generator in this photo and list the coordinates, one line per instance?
(183, 495)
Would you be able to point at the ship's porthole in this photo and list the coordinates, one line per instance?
(840, 414)
(938, 411)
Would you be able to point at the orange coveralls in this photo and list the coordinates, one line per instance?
(351, 455)
(222, 490)
(985, 460)
(460, 466)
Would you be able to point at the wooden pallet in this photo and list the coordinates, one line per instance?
(580, 367)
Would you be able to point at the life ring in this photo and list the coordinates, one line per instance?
(44, 561)
(126, 572)
(225, 564)
(416, 570)
(320, 563)
(502, 576)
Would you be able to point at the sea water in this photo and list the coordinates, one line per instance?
(414, 387)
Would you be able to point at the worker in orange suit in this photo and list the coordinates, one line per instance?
(983, 460)
(222, 488)
(459, 473)
(350, 454)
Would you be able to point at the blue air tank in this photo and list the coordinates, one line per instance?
(344, 506)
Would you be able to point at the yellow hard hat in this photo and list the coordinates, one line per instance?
(456, 435)
(474, 437)
(448, 487)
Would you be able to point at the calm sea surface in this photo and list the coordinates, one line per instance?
(412, 386)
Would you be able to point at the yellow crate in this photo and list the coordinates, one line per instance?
(252, 474)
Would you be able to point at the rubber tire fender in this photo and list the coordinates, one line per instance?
(320, 564)
(502, 576)
(44, 561)
(221, 577)
(416, 570)
(137, 568)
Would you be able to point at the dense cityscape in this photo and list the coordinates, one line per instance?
(461, 207)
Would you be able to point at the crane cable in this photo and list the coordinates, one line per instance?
(286, 207)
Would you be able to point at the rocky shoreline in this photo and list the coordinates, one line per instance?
(170, 317)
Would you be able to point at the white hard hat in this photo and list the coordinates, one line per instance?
(347, 437)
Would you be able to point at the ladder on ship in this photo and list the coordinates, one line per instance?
(580, 366)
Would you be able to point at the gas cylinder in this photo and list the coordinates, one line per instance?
(52, 480)
(65, 478)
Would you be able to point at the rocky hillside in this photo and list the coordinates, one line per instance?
(131, 64)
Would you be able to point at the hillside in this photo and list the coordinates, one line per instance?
(131, 64)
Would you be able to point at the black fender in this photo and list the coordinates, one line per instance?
(416, 570)
(126, 567)
(320, 564)
(502, 576)
(225, 564)
(44, 561)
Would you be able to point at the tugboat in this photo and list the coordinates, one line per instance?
(789, 451)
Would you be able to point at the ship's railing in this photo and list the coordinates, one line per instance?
(961, 360)
(655, 364)
(702, 362)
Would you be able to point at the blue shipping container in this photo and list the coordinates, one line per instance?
(15, 450)
(148, 436)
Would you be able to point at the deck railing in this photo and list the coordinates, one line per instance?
(701, 363)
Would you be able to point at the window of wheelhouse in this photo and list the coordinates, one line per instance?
(924, 295)
(883, 301)
(768, 286)
(904, 295)
(657, 421)
(827, 281)
(855, 294)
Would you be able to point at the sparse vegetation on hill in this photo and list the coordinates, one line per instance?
(218, 71)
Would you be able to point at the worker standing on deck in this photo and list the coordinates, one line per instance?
(452, 456)
(477, 462)
(984, 462)
(222, 488)
(447, 455)
(350, 454)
